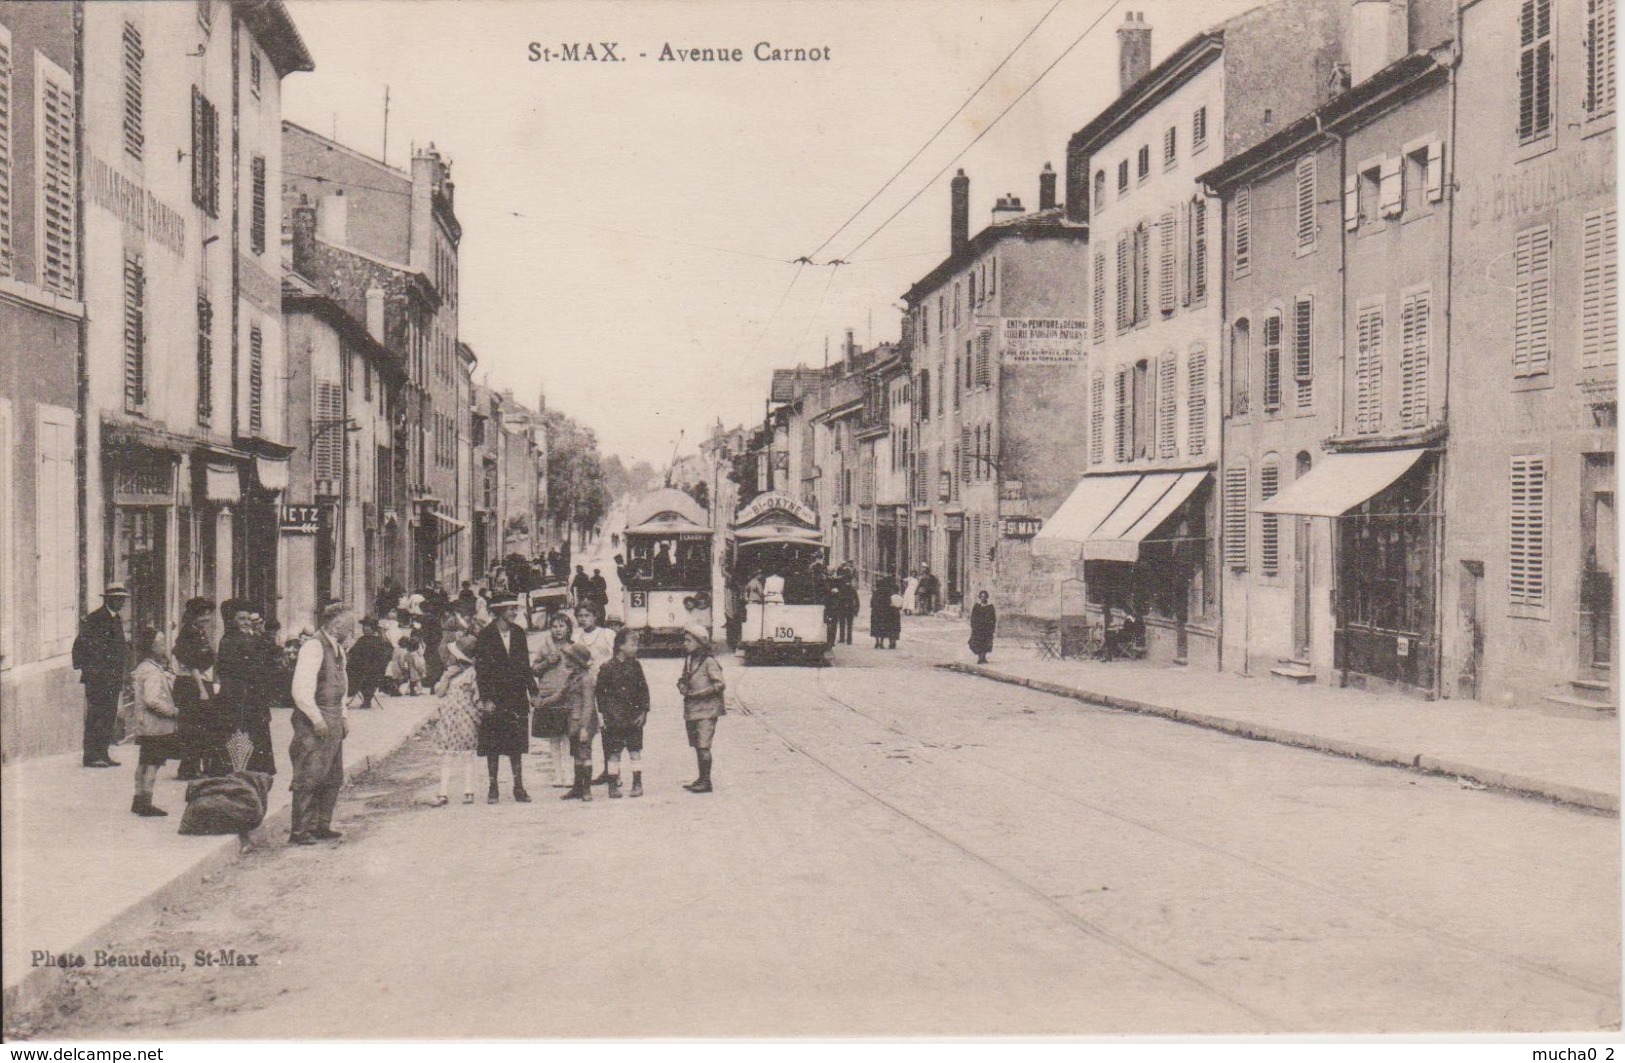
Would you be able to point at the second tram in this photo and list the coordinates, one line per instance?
(778, 555)
(666, 577)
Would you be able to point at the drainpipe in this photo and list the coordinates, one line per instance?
(1222, 358)
(1449, 162)
(1342, 367)
(81, 434)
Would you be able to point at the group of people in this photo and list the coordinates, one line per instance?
(593, 589)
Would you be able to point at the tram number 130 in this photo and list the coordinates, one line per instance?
(784, 633)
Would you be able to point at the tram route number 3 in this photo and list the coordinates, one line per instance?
(784, 633)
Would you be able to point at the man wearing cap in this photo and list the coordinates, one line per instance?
(701, 686)
(101, 653)
(320, 685)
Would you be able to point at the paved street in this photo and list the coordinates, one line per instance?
(897, 850)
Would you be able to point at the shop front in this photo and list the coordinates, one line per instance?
(143, 494)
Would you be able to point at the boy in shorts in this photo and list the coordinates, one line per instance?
(623, 702)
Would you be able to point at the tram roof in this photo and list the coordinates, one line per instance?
(661, 510)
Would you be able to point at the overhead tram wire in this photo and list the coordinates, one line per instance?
(932, 138)
(820, 308)
(1108, 9)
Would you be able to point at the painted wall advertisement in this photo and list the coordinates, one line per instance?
(1043, 340)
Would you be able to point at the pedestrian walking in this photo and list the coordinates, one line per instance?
(600, 590)
(885, 613)
(406, 666)
(623, 704)
(911, 595)
(554, 692)
(153, 717)
(101, 654)
(580, 587)
(457, 724)
(320, 683)
(369, 663)
(599, 641)
(193, 656)
(930, 587)
(702, 687)
(502, 669)
(849, 606)
(984, 620)
(243, 667)
(583, 719)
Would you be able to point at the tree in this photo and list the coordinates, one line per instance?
(575, 477)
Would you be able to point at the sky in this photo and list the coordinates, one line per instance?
(630, 228)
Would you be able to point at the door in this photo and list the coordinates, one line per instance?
(1301, 568)
(1470, 629)
(141, 565)
(1599, 529)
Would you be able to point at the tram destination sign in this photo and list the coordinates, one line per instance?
(1043, 340)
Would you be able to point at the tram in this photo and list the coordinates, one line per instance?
(666, 577)
(778, 556)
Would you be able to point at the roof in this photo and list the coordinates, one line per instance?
(667, 505)
(787, 383)
(1186, 62)
(273, 27)
(1038, 225)
(298, 293)
(1350, 109)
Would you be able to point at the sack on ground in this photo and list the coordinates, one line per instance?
(226, 804)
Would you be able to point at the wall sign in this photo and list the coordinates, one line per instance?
(301, 520)
(1043, 340)
(1021, 527)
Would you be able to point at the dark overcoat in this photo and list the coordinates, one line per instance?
(502, 672)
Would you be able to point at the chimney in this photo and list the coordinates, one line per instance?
(1008, 206)
(1046, 188)
(375, 313)
(1134, 49)
(1379, 34)
(303, 230)
(334, 219)
(851, 345)
(959, 216)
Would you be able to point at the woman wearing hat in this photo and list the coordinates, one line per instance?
(701, 686)
(502, 671)
(457, 731)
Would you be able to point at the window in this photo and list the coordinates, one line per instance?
(58, 217)
(57, 597)
(1168, 405)
(925, 395)
(1368, 371)
(993, 275)
(1373, 189)
(1599, 57)
(1423, 182)
(1143, 412)
(205, 358)
(984, 358)
(1198, 249)
(1097, 418)
(1125, 251)
(1170, 148)
(1167, 264)
(1122, 177)
(1120, 415)
(1272, 363)
(942, 384)
(133, 135)
(254, 72)
(1306, 205)
(973, 289)
(327, 454)
(1144, 167)
(1241, 357)
(1599, 290)
(135, 333)
(6, 264)
(958, 379)
(1534, 70)
(1351, 202)
(205, 154)
(1415, 323)
(256, 230)
(1526, 543)
(956, 305)
(1531, 314)
(1391, 187)
(1142, 273)
(1303, 351)
(1244, 232)
(925, 326)
(256, 381)
(1269, 532)
(1199, 129)
(1196, 401)
(1235, 517)
(1100, 189)
(1097, 297)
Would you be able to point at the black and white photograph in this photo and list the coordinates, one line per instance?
(644, 521)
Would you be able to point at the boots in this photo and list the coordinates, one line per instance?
(614, 786)
(491, 795)
(586, 781)
(578, 790)
(143, 806)
(637, 784)
(519, 793)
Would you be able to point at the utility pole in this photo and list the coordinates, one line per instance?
(385, 157)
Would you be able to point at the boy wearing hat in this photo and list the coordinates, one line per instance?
(701, 686)
(101, 653)
(583, 723)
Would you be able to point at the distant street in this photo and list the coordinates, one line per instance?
(896, 850)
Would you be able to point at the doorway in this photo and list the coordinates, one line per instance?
(1301, 568)
(1599, 530)
(1470, 629)
(142, 541)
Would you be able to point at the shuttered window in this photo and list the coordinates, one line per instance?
(1526, 544)
(1368, 371)
(1351, 202)
(1599, 56)
(1303, 351)
(1166, 264)
(134, 138)
(1244, 232)
(327, 454)
(965, 454)
(1235, 517)
(1272, 362)
(1196, 402)
(1144, 161)
(1269, 530)
(135, 332)
(7, 267)
(1199, 129)
(1098, 297)
(1416, 322)
(205, 154)
(1534, 69)
(256, 228)
(1097, 418)
(984, 358)
(1599, 290)
(256, 381)
(1124, 272)
(1531, 322)
(1391, 186)
(58, 219)
(1122, 177)
(1168, 405)
(1142, 273)
(205, 359)
(1198, 250)
(1120, 416)
(1170, 147)
(57, 598)
(1306, 204)
(1241, 367)
(1433, 172)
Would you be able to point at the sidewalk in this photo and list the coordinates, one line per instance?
(78, 865)
(1547, 751)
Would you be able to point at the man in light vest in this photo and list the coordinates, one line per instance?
(320, 685)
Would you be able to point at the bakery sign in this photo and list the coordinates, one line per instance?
(1043, 340)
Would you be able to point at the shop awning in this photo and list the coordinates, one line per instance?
(1341, 482)
(272, 473)
(1145, 509)
(449, 525)
(222, 483)
(1091, 502)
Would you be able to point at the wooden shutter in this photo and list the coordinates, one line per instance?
(1142, 273)
(58, 181)
(205, 358)
(1165, 272)
(1526, 544)
(56, 530)
(984, 358)
(1351, 202)
(1535, 70)
(1241, 368)
(1415, 339)
(1434, 172)
(1599, 290)
(1120, 416)
(1170, 146)
(1272, 362)
(1531, 328)
(1391, 186)
(1199, 128)
(1168, 405)
(1244, 231)
(135, 333)
(1306, 203)
(134, 137)
(6, 265)
(1198, 250)
(199, 194)
(257, 223)
(1098, 297)
(1368, 371)
(1303, 351)
(1269, 532)
(965, 453)
(1196, 401)
(256, 381)
(327, 454)
(1235, 517)
(1097, 418)
(1123, 312)
(1182, 240)
(1599, 56)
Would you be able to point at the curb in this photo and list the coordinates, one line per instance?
(1507, 782)
(40, 985)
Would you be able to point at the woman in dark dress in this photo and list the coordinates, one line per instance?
(502, 671)
(885, 619)
(194, 661)
(984, 620)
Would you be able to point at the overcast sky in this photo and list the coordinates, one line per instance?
(628, 228)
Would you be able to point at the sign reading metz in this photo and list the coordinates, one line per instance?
(301, 520)
(1043, 340)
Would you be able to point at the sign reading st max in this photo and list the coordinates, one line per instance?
(609, 52)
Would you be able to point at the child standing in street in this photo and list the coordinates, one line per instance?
(701, 685)
(408, 667)
(583, 719)
(623, 702)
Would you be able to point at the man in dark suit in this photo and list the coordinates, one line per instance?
(502, 672)
(102, 655)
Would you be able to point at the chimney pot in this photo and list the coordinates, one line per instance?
(1134, 50)
(959, 213)
(1046, 188)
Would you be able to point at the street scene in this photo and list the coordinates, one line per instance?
(474, 566)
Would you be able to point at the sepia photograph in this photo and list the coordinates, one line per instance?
(938, 520)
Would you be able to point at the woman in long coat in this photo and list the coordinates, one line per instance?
(553, 681)
(885, 619)
(984, 620)
(502, 671)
